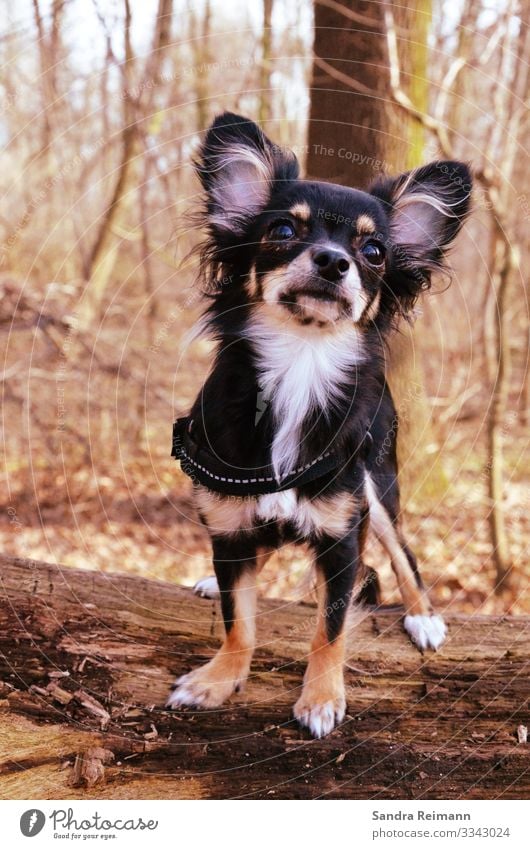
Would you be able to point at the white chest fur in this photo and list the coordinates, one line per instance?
(299, 372)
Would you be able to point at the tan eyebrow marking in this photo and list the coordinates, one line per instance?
(365, 225)
(373, 308)
(301, 210)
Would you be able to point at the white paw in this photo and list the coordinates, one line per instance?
(320, 718)
(427, 632)
(207, 587)
(209, 685)
(183, 695)
(199, 689)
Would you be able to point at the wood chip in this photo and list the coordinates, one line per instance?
(89, 767)
(522, 734)
(134, 713)
(153, 734)
(59, 694)
(93, 706)
(39, 691)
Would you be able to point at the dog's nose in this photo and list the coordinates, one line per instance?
(332, 265)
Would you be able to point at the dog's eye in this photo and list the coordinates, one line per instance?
(281, 232)
(374, 253)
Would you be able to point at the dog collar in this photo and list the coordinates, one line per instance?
(203, 467)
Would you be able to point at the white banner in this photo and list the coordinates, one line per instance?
(234, 825)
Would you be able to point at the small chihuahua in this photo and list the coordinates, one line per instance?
(293, 435)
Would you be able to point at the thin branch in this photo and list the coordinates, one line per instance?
(446, 87)
(342, 78)
(343, 10)
(401, 98)
(485, 176)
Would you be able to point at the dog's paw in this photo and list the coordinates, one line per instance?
(208, 686)
(320, 717)
(426, 632)
(207, 587)
(198, 690)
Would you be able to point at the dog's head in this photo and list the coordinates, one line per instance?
(317, 253)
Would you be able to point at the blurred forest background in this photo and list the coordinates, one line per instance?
(102, 103)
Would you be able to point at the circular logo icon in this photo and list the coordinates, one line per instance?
(32, 822)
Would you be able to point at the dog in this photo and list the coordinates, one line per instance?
(292, 437)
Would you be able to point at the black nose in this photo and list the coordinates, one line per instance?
(332, 265)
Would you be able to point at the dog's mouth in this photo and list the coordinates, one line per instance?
(319, 294)
(316, 302)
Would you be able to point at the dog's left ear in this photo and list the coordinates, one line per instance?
(426, 208)
(238, 167)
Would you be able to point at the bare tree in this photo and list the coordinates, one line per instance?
(495, 182)
(103, 254)
(49, 59)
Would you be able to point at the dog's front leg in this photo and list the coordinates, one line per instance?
(210, 685)
(323, 701)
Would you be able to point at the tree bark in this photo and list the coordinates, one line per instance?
(87, 658)
(347, 142)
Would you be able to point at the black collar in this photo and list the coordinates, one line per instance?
(203, 467)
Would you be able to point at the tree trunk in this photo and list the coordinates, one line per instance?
(347, 141)
(265, 96)
(87, 660)
(202, 57)
(354, 133)
(506, 261)
(524, 397)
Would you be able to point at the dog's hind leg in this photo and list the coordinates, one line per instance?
(425, 629)
(368, 589)
(210, 685)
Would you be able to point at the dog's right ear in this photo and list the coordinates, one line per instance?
(238, 167)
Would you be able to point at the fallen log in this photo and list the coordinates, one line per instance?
(87, 659)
